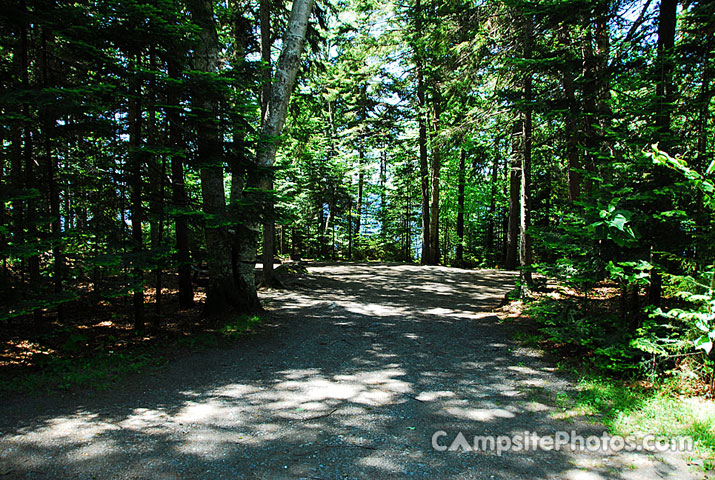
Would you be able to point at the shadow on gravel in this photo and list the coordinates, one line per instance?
(362, 364)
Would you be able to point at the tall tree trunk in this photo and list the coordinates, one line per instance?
(178, 193)
(221, 293)
(459, 254)
(383, 191)
(664, 96)
(422, 140)
(512, 239)
(361, 186)
(135, 165)
(491, 227)
(17, 177)
(29, 181)
(244, 174)
(664, 90)
(156, 198)
(4, 217)
(702, 151)
(435, 172)
(266, 45)
(274, 120)
(704, 99)
(589, 117)
(606, 150)
(360, 145)
(445, 243)
(351, 232)
(408, 239)
(525, 247)
(51, 166)
(269, 226)
(571, 122)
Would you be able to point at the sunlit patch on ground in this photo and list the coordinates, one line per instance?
(351, 378)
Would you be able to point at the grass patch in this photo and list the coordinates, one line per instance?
(98, 372)
(631, 410)
(627, 408)
(527, 338)
(240, 325)
(73, 366)
(610, 387)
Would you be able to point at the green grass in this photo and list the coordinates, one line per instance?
(626, 410)
(528, 339)
(240, 326)
(105, 368)
(98, 372)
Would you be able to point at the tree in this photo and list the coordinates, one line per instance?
(276, 111)
(222, 290)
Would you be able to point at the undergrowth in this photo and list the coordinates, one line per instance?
(627, 409)
(70, 368)
(616, 382)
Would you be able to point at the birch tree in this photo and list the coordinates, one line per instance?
(275, 116)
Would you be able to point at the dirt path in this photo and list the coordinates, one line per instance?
(357, 370)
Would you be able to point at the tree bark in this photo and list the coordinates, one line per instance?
(244, 173)
(589, 117)
(30, 211)
(408, 239)
(221, 293)
(178, 193)
(435, 172)
(426, 255)
(571, 122)
(269, 227)
(266, 45)
(664, 91)
(459, 254)
(525, 242)
(156, 198)
(491, 227)
(664, 96)
(512, 240)
(383, 191)
(135, 164)
(17, 176)
(361, 186)
(274, 120)
(51, 166)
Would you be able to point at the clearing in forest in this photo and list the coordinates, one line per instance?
(357, 368)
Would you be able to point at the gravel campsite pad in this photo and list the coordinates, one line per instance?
(355, 370)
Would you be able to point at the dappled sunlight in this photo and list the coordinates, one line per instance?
(582, 475)
(359, 370)
(381, 464)
(432, 396)
(212, 411)
(81, 426)
(479, 414)
(145, 419)
(373, 309)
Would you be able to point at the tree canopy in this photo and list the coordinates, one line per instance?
(148, 146)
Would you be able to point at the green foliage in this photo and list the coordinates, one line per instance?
(240, 326)
(630, 273)
(601, 337)
(99, 372)
(348, 176)
(631, 411)
(698, 293)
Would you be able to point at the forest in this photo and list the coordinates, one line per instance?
(154, 150)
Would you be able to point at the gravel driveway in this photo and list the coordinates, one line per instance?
(357, 368)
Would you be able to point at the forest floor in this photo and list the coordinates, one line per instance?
(355, 369)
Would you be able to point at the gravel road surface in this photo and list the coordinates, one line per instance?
(356, 369)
